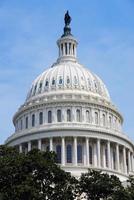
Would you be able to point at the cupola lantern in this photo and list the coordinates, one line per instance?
(67, 43)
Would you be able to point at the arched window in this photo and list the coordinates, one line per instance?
(68, 80)
(90, 155)
(21, 124)
(68, 115)
(26, 122)
(58, 115)
(69, 153)
(41, 118)
(87, 116)
(110, 121)
(53, 82)
(49, 116)
(58, 152)
(96, 86)
(115, 122)
(75, 80)
(40, 86)
(35, 87)
(33, 120)
(104, 119)
(79, 153)
(89, 83)
(47, 83)
(96, 118)
(78, 115)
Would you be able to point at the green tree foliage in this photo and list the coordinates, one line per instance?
(130, 187)
(96, 185)
(34, 176)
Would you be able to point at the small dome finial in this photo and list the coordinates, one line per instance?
(67, 20)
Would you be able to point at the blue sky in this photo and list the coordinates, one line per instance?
(28, 34)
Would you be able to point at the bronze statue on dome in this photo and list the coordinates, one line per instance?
(67, 19)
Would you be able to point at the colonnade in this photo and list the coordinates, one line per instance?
(105, 154)
(78, 114)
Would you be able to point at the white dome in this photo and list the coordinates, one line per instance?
(68, 77)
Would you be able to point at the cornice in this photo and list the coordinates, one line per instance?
(63, 127)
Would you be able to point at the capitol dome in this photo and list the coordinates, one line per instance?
(68, 77)
(68, 110)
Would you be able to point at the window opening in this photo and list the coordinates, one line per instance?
(69, 153)
(49, 116)
(41, 118)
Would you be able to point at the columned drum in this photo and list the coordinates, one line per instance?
(68, 110)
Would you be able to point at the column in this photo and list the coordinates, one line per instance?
(29, 146)
(124, 160)
(112, 158)
(117, 157)
(51, 144)
(83, 111)
(95, 154)
(71, 49)
(53, 115)
(73, 114)
(39, 144)
(129, 161)
(75, 53)
(87, 151)
(45, 116)
(63, 49)
(132, 162)
(63, 114)
(104, 157)
(108, 152)
(98, 152)
(36, 118)
(63, 151)
(59, 50)
(75, 151)
(68, 49)
(20, 148)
